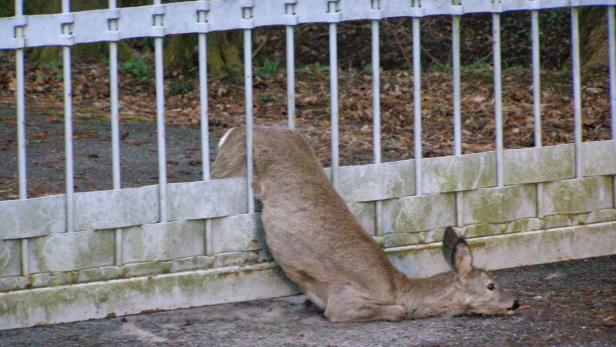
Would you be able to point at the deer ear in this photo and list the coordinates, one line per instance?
(463, 258)
(456, 252)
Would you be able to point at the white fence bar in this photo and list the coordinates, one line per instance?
(333, 86)
(160, 113)
(457, 109)
(290, 45)
(536, 76)
(577, 97)
(611, 27)
(376, 108)
(68, 124)
(536, 67)
(115, 124)
(247, 15)
(498, 107)
(611, 34)
(457, 104)
(21, 129)
(417, 104)
(203, 91)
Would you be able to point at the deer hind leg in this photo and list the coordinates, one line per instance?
(353, 306)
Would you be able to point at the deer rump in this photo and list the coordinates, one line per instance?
(315, 238)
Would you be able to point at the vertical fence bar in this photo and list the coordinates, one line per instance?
(21, 130)
(115, 127)
(160, 121)
(247, 14)
(536, 66)
(611, 27)
(203, 91)
(290, 46)
(457, 108)
(457, 104)
(417, 104)
(536, 76)
(205, 131)
(577, 98)
(498, 111)
(376, 109)
(333, 86)
(68, 125)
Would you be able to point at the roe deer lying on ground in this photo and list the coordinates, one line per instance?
(321, 247)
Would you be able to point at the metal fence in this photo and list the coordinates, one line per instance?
(202, 17)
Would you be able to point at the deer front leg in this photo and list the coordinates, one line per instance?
(352, 306)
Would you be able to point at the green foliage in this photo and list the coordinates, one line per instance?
(139, 68)
(7, 9)
(268, 69)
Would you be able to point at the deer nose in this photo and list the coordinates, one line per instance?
(516, 305)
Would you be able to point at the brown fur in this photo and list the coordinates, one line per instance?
(320, 246)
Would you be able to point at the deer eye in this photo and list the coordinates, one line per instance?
(491, 286)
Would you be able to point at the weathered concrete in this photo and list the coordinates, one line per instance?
(237, 233)
(452, 174)
(208, 199)
(70, 251)
(577, 195)
(599, 158)
(419, 213)
(160, 292)
(116, 208)
(32, 217)
(163, 241)
(377, 181)
(495, 205)
(531, 165)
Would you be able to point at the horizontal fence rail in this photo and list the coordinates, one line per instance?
(195, 232)
(183, 17)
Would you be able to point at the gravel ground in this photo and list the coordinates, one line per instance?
(563, 304)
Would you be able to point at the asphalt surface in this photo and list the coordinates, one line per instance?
(92, 154)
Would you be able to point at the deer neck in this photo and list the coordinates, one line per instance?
(436, 295)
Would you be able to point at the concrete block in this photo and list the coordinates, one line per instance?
(405, 239)
(497, 205)
(531, 165)
(10, 258)
(599, 158)
(237, 233)
(452, 173)
(71, 251)
(116, 208)
(163, 241)
(561, 220)
(365, 214)
(32, 217)
(601, 216)
(577, 195)
(419, 213)
(43, 306)
(207, 199)
(377, 181)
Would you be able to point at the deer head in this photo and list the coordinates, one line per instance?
(476, 290)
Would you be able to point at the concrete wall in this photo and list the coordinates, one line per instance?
(211, 251)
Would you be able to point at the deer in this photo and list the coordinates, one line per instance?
(336, 263)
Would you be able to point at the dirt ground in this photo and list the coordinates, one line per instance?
(563, 304)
